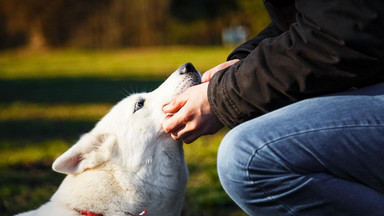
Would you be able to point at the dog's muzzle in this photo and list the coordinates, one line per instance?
(187, 68)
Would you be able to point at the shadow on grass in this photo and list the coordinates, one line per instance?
(44, 129)
(26, 187)
(72, 90)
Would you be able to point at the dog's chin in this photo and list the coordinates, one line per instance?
(193, 81)
(182, 90)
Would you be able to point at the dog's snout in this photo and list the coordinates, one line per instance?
(187, 68)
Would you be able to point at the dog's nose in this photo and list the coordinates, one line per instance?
(187, 68)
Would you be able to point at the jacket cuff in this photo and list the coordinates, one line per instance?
(212, 95)
(222, 106)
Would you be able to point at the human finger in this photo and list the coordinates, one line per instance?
(174, 133)
(172, 124)
(175, 105)
(191, 137)
(206, 77)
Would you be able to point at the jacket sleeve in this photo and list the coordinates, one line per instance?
(333, 45)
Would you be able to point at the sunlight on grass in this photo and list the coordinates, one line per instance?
(16, 152)
(139, 63)
(33, 111)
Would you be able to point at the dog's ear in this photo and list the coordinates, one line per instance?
(89, 152)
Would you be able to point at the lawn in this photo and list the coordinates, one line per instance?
(49, 98)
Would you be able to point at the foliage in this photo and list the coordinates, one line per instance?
(104, 24)
(48, 99)
(86, 23)
(255, 16)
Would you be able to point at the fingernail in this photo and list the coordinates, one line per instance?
(174, 137)
(165, 107)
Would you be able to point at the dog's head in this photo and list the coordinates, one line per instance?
(131, 134)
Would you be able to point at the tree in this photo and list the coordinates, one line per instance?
(123, 23)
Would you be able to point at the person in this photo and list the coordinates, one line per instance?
(304, 100)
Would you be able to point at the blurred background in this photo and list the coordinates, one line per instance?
(127, 23)
(64, 63)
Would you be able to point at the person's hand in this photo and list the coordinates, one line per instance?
(209, 74)
(193, 116)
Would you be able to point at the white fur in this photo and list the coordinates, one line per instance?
(127, 163)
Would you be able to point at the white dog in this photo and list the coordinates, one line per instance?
(126, 165)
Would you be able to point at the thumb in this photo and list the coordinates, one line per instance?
(206, 77)
(175, 105)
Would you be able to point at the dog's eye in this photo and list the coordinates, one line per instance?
(139, 105)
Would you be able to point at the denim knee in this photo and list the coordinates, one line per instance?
(239, 149)
(243, 169)
(229, 164)
(230, 157)
(226, 156)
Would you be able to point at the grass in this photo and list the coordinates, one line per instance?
(49, 98)
(133, 63)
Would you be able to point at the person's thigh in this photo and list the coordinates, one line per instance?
(321, 156)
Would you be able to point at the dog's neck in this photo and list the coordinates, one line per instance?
(87, 213)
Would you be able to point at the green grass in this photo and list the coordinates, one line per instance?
(48, 99)
(133, 63)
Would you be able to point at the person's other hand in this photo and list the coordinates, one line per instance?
(209, 74)
(193, 116)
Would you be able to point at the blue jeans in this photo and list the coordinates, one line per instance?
(321, 156)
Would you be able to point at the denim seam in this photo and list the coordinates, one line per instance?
(271, 197)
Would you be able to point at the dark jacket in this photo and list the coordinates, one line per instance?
(311, 48)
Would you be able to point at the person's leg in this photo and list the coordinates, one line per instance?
(321, 156)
